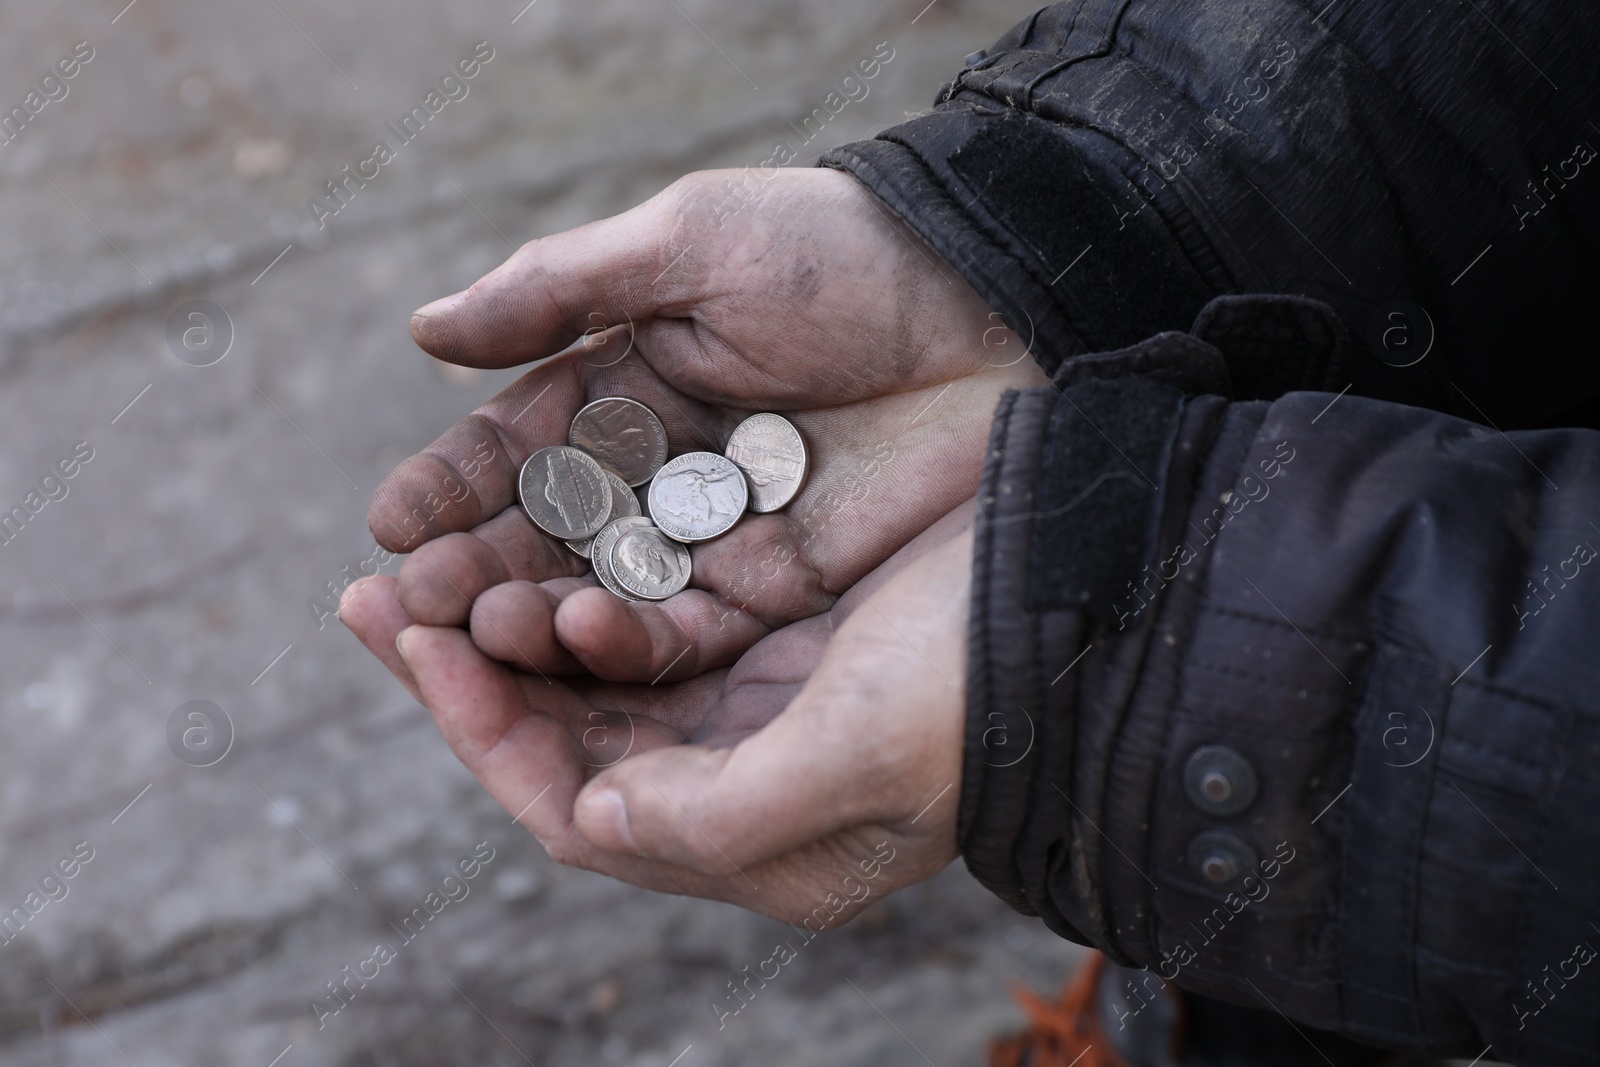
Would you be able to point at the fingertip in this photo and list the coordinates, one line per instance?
(514, 622)
(604, 633)
(426, 320)
(602, 817)
(439, 306)
(353, 596)
(400, 643)
(440, 581)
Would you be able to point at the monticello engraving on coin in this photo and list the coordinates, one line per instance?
(624, 504)
(772, 455)
(565, 492)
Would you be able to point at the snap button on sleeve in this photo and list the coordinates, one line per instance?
(1220, 857)
(1219, 781)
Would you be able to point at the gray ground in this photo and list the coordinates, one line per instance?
(180, 564)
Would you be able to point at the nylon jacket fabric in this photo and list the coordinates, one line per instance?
(1334, 540)
(1110, 165)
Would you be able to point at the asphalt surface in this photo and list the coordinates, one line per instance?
(216, 502)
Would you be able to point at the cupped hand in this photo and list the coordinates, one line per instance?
(799, 295)
(826, 762)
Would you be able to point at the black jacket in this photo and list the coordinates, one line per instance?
(1283, 670)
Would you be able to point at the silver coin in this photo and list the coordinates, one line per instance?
(601, 556)
(698, 496)
(772, 455)
(649, 564)
(624, 435)
(565, 492)
(624, 504)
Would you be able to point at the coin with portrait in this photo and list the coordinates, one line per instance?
(600, 555)
(698, 496)
(623, 435)
(649, 564)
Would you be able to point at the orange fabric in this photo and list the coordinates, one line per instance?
(1059, 1035)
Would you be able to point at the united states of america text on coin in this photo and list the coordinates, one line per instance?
(600, 555)
(649, 564)
(772, 455)
(697, 496)
(565, 492)
(624, 504)
(624, 435)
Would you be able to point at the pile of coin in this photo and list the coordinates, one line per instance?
(583, 492)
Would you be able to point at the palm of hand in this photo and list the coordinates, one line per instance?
(823, 764)
(809, 302)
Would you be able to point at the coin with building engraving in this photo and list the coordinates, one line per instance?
(624, 504)
(624, 435)
(649, 564)
(772, 455)
(698, 496)
(565, 492)
(600, 555)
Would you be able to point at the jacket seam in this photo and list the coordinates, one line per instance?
(1213, 607)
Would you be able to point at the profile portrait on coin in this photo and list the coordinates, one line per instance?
(624, 435)
(696, 493)
(648, 563)
(643, 558)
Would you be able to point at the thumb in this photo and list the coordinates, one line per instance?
(873, 737)
(555, 289)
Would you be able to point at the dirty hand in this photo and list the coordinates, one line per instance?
(803, 299)
(828, 759)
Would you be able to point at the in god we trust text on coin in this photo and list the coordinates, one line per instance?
(600, 553)
(623, 435)
(698, 496)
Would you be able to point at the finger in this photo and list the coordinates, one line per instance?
(654, 642)
(528, 762)
(873, 736)
(443, 577)
(470, 473)
(531, 762)
(514, 622)
(555, 288)
(373, 613)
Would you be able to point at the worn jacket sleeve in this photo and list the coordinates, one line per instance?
(1294, 702)
(1429, 171)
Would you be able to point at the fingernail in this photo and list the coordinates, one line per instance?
(440, 306)
(400, 643)
(610, 815)
(348, 597)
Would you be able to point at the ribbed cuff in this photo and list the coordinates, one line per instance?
(1039, 219)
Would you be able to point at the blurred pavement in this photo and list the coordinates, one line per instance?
(220, 500)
